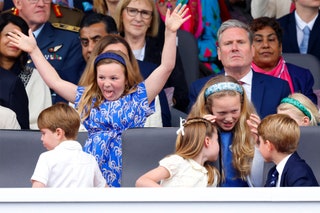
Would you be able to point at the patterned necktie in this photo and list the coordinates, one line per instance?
(305, 40)
(241, 82)
(272, 182)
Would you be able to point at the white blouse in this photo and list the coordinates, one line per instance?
(185, 173)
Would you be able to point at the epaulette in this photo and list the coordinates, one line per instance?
(66, 27)
(61, 17)
(65, 18)
(12, 10)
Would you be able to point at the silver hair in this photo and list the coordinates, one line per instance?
(234, 23)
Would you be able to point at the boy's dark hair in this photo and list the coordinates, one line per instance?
(94, 18)
(262, 22)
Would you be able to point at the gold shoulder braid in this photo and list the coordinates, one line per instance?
(60, 17)
(66, 27)
(65, 18)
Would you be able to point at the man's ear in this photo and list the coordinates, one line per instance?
(17, 4)
(219, 53)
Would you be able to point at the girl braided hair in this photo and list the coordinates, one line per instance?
(190, 141)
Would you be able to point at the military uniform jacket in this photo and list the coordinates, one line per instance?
(62, 49)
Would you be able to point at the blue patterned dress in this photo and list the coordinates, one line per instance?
(105, 125)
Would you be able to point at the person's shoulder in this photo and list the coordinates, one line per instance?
(299, 72)
(296, 163)
(285, 18)
(61, 29)
(61, 17)
(66, 18)
(172, 159)
(58, 33)
(6, 74)
(269, 78)
(202, 81)
(146, 68)
(6, 112)
(47, 155)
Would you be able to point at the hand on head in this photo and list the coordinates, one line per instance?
(20, 40)
(253, 123)
(210, 117)
(175, 19)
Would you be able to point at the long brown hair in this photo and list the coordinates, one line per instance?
(243, 142)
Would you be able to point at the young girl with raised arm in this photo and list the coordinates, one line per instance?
(196, 146)
(114, 98)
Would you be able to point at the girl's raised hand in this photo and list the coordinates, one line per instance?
(20, 40)
(175, 19)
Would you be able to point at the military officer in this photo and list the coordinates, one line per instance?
(60, 46)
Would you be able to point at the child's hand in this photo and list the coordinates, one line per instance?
(176, 18)
(20, 40)
(253, 123)
(209, 117)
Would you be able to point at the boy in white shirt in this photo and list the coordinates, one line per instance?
(64, 164)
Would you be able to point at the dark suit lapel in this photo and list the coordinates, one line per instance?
(292, 32)
(294, 157)
(314, 35)
(46, 36)
(258, 92)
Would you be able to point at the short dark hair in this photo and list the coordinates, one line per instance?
(5, 19)
(262, 22)
(94, 18)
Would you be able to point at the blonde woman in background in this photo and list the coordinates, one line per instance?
(301, 109)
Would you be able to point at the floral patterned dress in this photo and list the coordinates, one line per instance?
(105, 125)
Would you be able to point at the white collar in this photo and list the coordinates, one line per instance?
(247, 79)
(37, 31)
(301, 24)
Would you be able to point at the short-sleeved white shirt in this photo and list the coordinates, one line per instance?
(67, 165)
(185, 173)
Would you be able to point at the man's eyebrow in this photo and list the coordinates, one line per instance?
(95, 37)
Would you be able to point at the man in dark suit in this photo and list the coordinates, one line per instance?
(60, 47)
(235, 51)
(279, 136)
(306, 15)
